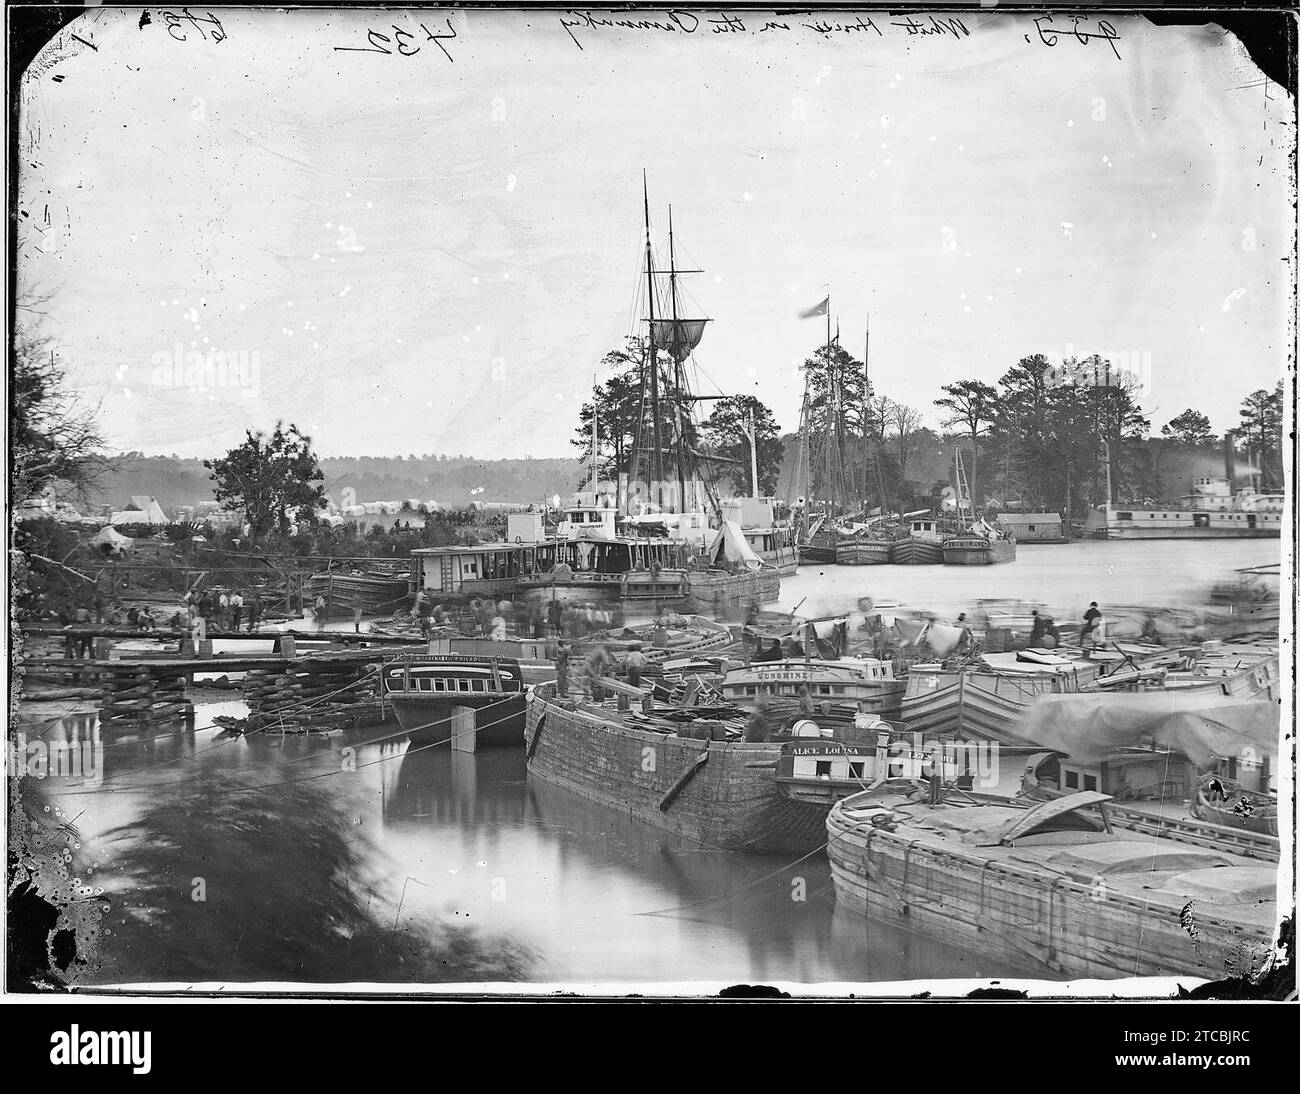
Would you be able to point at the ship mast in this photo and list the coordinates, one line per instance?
(677, 366)
(658, 461)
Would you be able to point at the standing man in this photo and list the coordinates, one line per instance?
(1091, 625)
(254, 613)
(562, 670)
(236, 610)
(205, 605)
(636, 662)
(597, 666)
(223, 610)
(318, 611)
(356, 618)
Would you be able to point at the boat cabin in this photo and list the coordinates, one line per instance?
(588, 522)
(926, 528)
(845, 681)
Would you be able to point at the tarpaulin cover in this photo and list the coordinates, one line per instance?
(942, 638)
(1090, 726)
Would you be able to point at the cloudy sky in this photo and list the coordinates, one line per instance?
(430, 253)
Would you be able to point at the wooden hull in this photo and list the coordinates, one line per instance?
(915, 552)
(1069, 927)
(988, 554)
(875, 553)
(809, 552)
(373, 594)
(978, 706)
(723, 595)
(732, 802)
(428, 721)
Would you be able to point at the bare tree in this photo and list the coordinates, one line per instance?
(54, 439)
(904, 421)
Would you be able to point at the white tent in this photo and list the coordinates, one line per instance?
(730, 544)
(110, 541)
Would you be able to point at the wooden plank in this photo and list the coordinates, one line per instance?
(685, 777)
(620, 688)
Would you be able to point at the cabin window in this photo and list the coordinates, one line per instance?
(1071, 779)
(823, 689)
(1123, 516)
(1033, 528)
(1090, 782)
(751, 689)
(462, 685)
(425, 684)
(823, 767)
(837, 689)
(858, 770)
(478, 685)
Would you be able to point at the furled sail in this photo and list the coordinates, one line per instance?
(678, 336)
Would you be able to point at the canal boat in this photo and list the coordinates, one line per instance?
(863, 550)
(979, 545)
(1053, 882)
(670, 769)
(922, 546)
(988, 696)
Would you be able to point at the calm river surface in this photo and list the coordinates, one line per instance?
(354, 859)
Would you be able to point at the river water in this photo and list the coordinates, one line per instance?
(356, 859)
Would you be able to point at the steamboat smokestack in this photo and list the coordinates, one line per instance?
(1229, 460)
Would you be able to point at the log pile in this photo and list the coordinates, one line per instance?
(311, 694)
(142, 696)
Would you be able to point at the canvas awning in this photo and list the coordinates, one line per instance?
(1089, 726)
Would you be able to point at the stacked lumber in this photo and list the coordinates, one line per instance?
(311, 694)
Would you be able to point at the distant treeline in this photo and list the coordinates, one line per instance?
(177, 481)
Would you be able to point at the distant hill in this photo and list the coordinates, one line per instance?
(455, 481)
(175, 481)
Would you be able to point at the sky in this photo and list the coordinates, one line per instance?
(431, 253)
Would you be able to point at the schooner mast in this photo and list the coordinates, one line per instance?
(678, 336)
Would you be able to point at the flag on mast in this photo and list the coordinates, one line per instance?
(820, 309)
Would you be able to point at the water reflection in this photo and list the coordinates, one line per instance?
(355, 857)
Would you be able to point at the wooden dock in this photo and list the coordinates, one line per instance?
(218, 662)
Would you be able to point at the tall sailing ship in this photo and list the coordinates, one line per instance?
(823, 467)
(660, 539)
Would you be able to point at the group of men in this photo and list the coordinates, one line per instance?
(223, 609)
(1044, 627)
(598, 665)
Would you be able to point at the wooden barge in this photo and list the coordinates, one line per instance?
(716, 792)
(922, 546)
(1051, 882)
(862, 551)
(978, 550)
